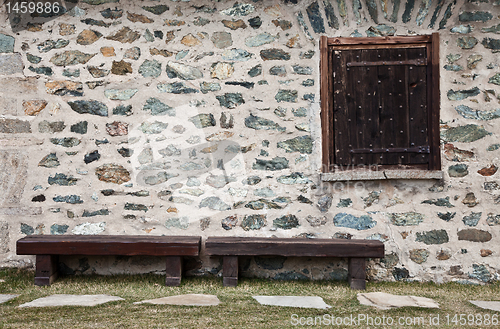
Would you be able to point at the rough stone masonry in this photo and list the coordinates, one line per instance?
(202, 118)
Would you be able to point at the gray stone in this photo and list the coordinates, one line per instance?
(214, 203)
(294, 178)
(264, 192)
(453, 67)
(467, 42)
(363, 222)
(277, 163)
(274, 54)
(48, 45)
(203, 120)
(406, 219)
(492, 29)
(472, 219)
(180, 223)
(302, 144)
(493, 44)
(6, 297)
(493, 219)
(302, 23)
(255, 22)
(49, 161)
(303, 70)
(440, 202)
(72, 199)
(476, 16)
(252, 180)
(315, 18)
(446, 216)
(157, 107)
(4, 238)
(89, 228)
(155, 127)
(112, 173)
(159, 178)
(464, 134)
(51, 127)
(259, 123)
(324, 203)
(95, 22)
(183, 71)
(259, 40)
(470, 113)
(184, 300)
(493, 147)
(71, 57)
(65, 141)
(112, 13)
(253, 222)
(62, 180)
(385, 301)
(262, 204)
(219, 181)
(91, 157)
(135, 207)
(132, 53)
(278, 70)
(206, 87)
(293, 301)
(458, 170)
(71, 300)
(372, 198)
(462, 94)
(255, 71)
(122, 95)
(42, 70)
(239, 9)
(462, 29)
(150, 68)
(157, 10)
(80, 127)
(93, 227)
(495, 80)
(175, 88)
(236, 55)
(290, 276)
(286, 222)
(91, 107)
(381, 30)
(480, 272)
(285, 95)
(34, 59)
(222, 40)
(419, 256)
(229, 222)
(6, 43)
(11, 64)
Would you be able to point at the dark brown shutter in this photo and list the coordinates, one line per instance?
(380, 113)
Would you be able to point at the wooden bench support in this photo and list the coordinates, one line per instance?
(174, 271)
(230, 271)
(355, 250)
(46, 269)
(48, 247)
(357, 273)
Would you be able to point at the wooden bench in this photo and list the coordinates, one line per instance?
(48, 247)
(232, 247)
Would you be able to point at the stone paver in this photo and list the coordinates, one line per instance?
(71, 300)
(488, 305)
(6, 297)
(293, 301)
(186, 300)
(387, 301)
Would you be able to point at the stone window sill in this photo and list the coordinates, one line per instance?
(358, 175)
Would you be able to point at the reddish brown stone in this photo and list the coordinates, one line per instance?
(88, 37)
(169, 36)
(470, 200)
(66, 29)
(234, 25)
(486, 252)
(117, 128)
(190, 40)
(162, 52)
(138, 18)
(443, 255)
(108, 51)
(404, 235)
(34, 107)
(488, 171)
(452, 153)
(112, 173)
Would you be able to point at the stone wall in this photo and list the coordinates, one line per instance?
(202, 118)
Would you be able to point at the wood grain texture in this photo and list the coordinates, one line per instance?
(125, 245)
(46, 270)
(245, 246)
(230, 271)
(173, 271)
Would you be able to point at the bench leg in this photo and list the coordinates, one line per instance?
(46, 269)
(357, 273)
(230, 271)
(174, 271)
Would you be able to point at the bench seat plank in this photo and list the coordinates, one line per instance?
(293, 247)
(130, 245)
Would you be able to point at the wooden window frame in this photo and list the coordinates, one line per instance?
(431, 43)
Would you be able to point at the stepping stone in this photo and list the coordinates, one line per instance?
(6, 297)
(186, 300)
(71, 300)
(488, 305)
(386, 301)
(293, 301)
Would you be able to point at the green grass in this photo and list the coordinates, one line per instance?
(237, 309)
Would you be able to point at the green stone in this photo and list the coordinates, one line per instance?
(284, 95)
(277, 163)
(363, 222)
(157, 107)
(419, 256)
(302, 144)
(493, 44)
(6, 43)
(259, 123)
(155, 127)
(214, 203)
(255, 71)
(150, 68)
(274, 54)
(80, 127)
(253, 222)
(344, 203)
(472, 219)
(481, 273)
(493, 29)
(464, 134)
(286, 222)
(32, 58)
(262, 204)
(62, 180)
(495, 79)
(71, 57)
(123, 110)
(433, 237)
(406, 219)
(459, 170)
(294, 178)
(467, 42)
(91, 107)
(65, 141)
(135, 207)
(440, 202)
(49, 161)
(476, 16)
(157, 10)
(175, 88)
(203, 120)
